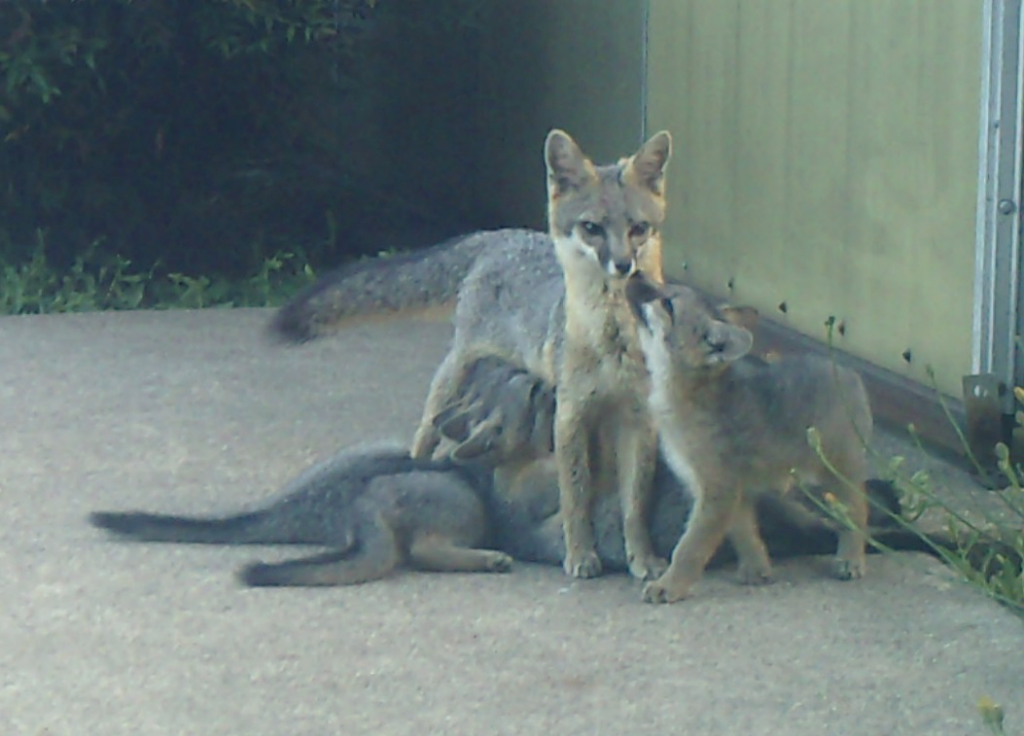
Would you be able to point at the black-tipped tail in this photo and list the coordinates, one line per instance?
(291, 325)
(143, 527)
(884, 505)
(397, 283)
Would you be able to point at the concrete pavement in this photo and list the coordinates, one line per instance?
(195, 412)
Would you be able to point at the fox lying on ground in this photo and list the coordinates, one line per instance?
(554, 305)
(376, 508)
(731, 428)
(505, 496)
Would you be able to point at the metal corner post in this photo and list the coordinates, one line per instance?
(997, 309)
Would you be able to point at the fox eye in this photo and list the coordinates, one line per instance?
(639, 230)
(592, 229)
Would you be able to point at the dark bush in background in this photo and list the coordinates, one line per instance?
(200, 135)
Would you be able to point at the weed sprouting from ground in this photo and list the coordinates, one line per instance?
(983, 545)
(986, 547)
(991, 715)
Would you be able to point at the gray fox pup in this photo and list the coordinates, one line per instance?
(501, 414)
(729, 428)
(552, 304)
(503, 420)
(376, 508)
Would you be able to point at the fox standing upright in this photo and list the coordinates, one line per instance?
(554, 305)
(731, 427)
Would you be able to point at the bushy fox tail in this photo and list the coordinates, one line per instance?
(408, 281)
(251, 528)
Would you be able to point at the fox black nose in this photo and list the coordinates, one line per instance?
(623, 268)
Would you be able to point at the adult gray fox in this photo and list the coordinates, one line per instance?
(553, 304)
(731, 428)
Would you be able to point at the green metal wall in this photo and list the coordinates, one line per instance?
(571, 64)
(827, 158)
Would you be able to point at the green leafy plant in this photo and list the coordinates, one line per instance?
(984, 545)
(93, 281)
(98, 280)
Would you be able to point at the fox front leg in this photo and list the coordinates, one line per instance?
(850, 562)
(636, 447)
(711, 517)
(443, 388)
(575, 490)
(755, 566)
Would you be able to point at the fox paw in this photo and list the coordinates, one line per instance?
(498, 562)
(586, 565)
(754, 575)
(658, 591)
(647, 567)
(845, 569)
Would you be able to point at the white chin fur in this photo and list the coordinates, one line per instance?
(573, 248)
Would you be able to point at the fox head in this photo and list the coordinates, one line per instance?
(504, 414)
(607, 217)
(681, 335)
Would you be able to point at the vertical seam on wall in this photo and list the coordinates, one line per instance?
(980, 321)
(645, 20)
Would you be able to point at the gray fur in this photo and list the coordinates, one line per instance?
(569, 325)
(408, 281)
(376, 508)
(566, 319)
(730, 429)
(523, 498)
(334, 503)
(502, 414)
(581, 192)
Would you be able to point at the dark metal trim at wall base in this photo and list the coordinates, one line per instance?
(897, 401)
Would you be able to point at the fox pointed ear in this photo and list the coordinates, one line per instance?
(729, 342)
(454, 423)
(647, 166)
(568, 167)
(740, 316)
(481, 442)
